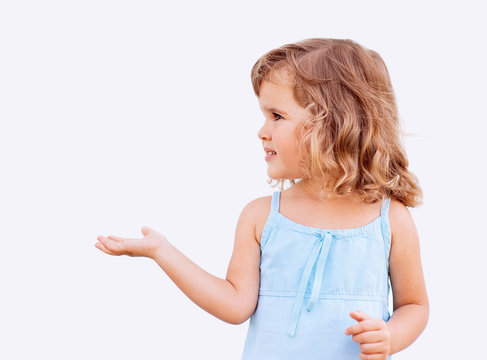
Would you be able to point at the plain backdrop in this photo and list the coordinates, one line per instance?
(120, 114)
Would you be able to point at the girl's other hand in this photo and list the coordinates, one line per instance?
(372, 334)
(147, 246)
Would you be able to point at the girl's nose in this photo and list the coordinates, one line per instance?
(263, 133)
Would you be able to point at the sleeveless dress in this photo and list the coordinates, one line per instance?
(310, 280)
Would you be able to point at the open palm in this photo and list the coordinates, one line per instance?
(146, 246)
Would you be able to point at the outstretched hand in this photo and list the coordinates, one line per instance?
(147, 246)
(372, 334)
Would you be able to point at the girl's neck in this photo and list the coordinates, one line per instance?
(313, 192)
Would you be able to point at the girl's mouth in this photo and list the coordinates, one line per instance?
(270, 155)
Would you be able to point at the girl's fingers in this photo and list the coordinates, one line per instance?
(116, 245)
(107, 239)
(368, 337)
(371, 356)
(360, 315)
(365, 326)
(120, 239)
(364, 323)
(103, 248)
(113, 246)
(372, 348)
(116, 238)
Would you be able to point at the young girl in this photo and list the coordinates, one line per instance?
(312, 278)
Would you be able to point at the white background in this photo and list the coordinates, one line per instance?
(119, 114)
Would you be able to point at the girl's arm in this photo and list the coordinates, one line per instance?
(410, 301)
(378, 339)
(233, 299)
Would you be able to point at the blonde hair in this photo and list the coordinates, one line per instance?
(350, 144)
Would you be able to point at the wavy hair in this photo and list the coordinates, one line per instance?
(351, 142)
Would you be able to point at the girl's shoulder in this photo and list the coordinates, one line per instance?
(260, 209)
(401, 223)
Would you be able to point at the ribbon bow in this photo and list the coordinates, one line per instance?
(320, 253)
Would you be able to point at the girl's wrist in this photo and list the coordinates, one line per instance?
(161, 250)
(389, 350)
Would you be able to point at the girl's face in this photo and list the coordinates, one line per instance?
(282, 116)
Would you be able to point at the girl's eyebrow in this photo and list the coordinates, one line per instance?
(275, 110)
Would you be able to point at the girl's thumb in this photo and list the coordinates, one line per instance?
(146, 230)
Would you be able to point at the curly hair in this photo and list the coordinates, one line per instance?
(351, 142)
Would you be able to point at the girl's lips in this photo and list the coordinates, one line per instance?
(268, 157)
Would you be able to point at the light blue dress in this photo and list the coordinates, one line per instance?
(310, 280)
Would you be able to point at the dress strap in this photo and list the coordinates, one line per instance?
(385, 206)
(275, 201)
(271, 219)
(386, 230)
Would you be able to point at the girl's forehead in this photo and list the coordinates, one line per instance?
(273, 94)
(276, 85)
(279, 98)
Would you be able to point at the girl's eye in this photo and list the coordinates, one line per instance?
(277, 116)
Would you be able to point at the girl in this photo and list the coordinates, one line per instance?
(312, 278)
